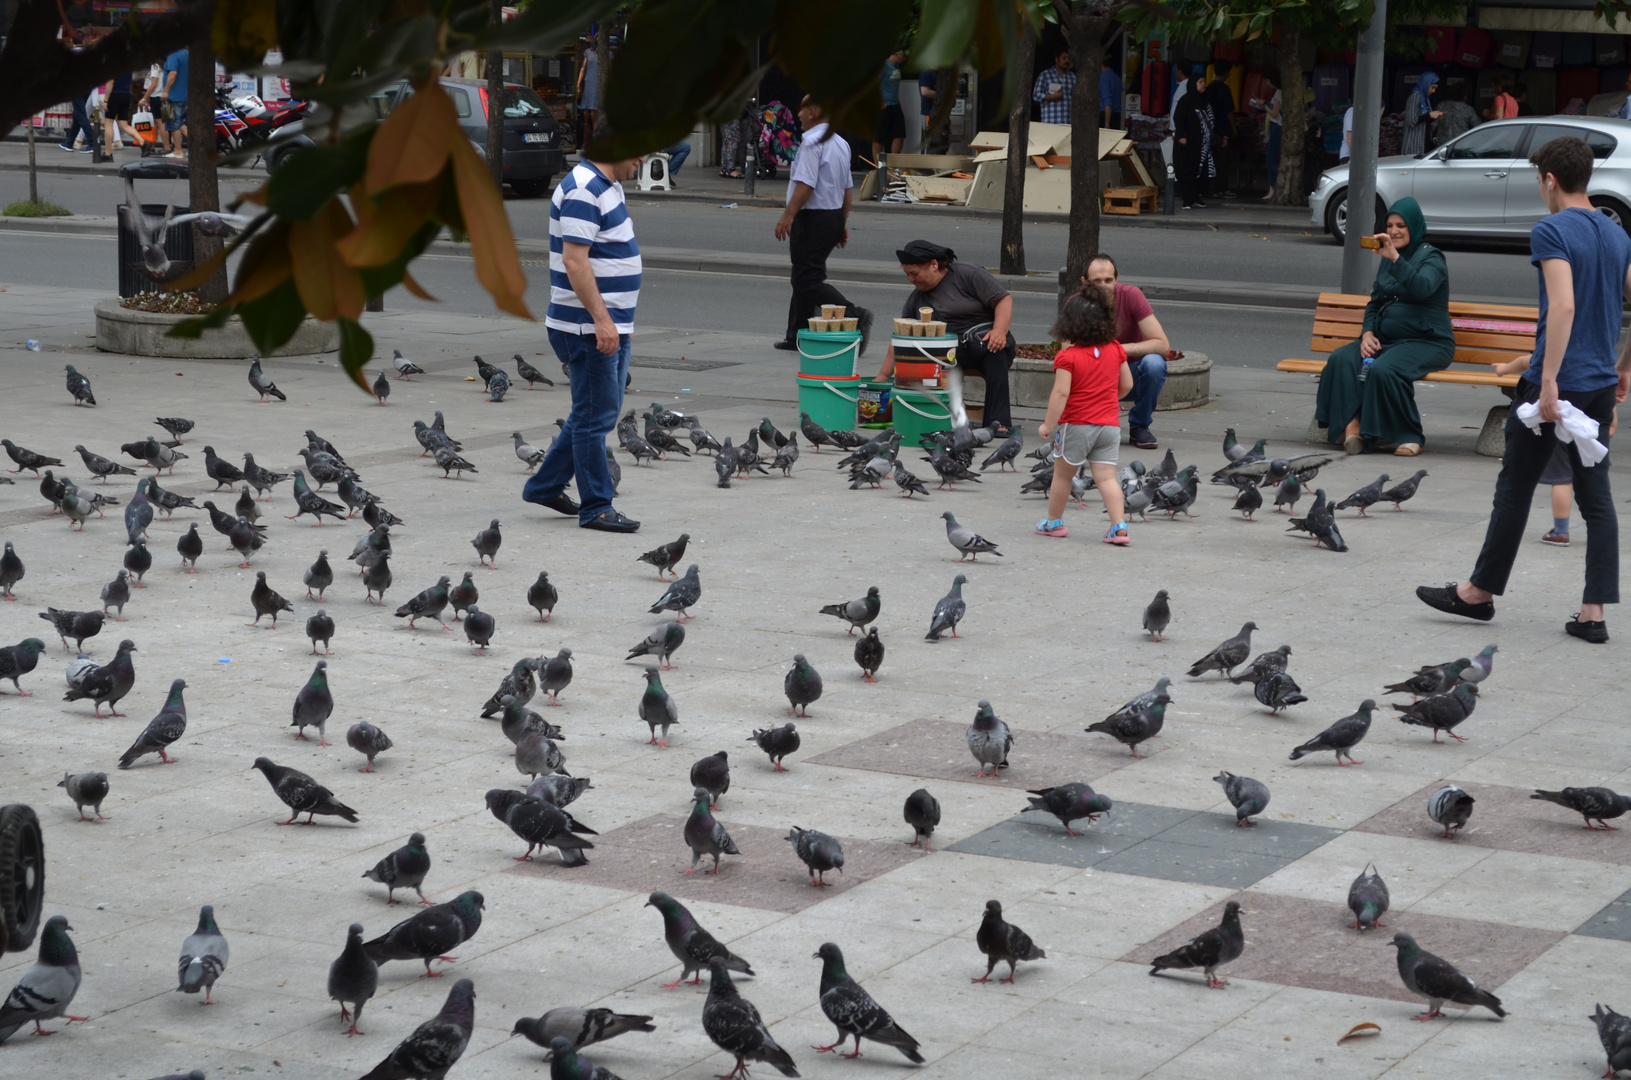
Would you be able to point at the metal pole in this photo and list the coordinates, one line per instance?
(750, 135)
(1357, 267)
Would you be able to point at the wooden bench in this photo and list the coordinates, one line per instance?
(1485, 335)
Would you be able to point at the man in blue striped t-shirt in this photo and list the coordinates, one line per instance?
(594, 284)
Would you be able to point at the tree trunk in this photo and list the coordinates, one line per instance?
(1085, 34)
(33, 177)
(1289, 187)
(203, 186)
(495, 102)
(603, 50)
(1019, 128)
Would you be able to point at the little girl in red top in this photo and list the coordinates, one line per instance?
(1084, 416)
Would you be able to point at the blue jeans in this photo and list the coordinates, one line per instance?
(580, 449)
(80, 125)
(676, 156)
(1271, 152)
(1149, 376)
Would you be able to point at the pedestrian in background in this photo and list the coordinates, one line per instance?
(1110, 91)
(116, 113)
(174, 101)
(588, 88)
(1271, 134)
(1418, 112)
(1054, 89)
(1192, 162)
(1456, 117)
(892, 121)
(1221, 101)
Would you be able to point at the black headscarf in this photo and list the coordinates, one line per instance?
(921, 251)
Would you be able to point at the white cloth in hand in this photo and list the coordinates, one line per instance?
(1572, 426)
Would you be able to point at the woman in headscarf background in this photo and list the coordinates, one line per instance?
(1367, 391)
(1192, 162)
(1419, 113)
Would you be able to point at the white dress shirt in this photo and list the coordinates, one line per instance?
(822, 163)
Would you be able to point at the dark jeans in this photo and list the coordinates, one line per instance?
(1526, 456)
(1149, 376)
(580, 449)
(80, 125)
(815, 233)
(994, 367)
(1271, 153)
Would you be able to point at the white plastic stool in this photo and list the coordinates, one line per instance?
(654, 173)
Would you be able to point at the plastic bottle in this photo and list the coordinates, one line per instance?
(31, 345)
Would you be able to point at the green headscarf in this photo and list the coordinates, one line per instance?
(1409, 209)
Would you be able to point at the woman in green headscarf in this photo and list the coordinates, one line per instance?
(1367, 392)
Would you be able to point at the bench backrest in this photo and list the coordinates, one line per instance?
(1484, 333)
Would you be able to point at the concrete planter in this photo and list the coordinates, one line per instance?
(1189, 383)
(143, 333)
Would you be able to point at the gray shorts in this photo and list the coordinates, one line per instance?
(1095, 443)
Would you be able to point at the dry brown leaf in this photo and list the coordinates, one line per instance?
(412, 144)
(492, 245)
(382, 230)
(265, 265)
(1360, 1031)
(417, 289)
(200, 273)
(328, 287)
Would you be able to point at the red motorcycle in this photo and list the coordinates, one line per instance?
(246, 120)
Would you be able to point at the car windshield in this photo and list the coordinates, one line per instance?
(1601, 144)
(520, 101)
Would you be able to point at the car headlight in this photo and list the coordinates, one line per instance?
(1325, 181)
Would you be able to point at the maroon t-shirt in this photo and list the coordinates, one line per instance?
(1131, 307)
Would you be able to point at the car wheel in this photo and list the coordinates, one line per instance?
(1615, 209)
(22, 877)
(530, 189)
(1336, 215)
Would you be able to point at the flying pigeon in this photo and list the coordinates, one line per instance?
(1438, 980)
(704, 835)
(1341, 736)
(404, 868)
(1368, 899)
(165, 728)
(301, 794)
(426, 935)
(1208, 950)
(353, 978)
(691, 945)
(1228, 655)
(989, 739)
(949, 611)
(776, 742)
(735, 1026)
(818, 852)
(84, 789)
(436, 1045)
(923, 815)
(1069, 802)
(1450, 807)
(869, 654)
(1003, 941)
(1249, 797)
(854, 1013)
(203, 956)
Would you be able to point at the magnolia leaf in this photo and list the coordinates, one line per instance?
(492, 243)
(191, 329)
(417, 289)
(356, 349)
(271, 320)
(379, 280)
(328, 287)
(412, 144)
(944, 33)
(314, 176)
(383, 227)
(243, 31)
(1360, 1030)
(264, 266)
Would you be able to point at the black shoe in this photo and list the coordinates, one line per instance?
(785, 346)
(612, 521)
(864, 326)
(1445, 599)
(562, 504)
(1143, 438)
(1594, 632)
(1200, 202)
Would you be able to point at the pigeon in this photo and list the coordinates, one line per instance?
(657, 708)
(725, 463)
(463, 596)
(498, 385)
(404, 868)
(262, 383)
(1403, 491)
(1266, 472)
(427, 934)
(319, 575)
(479, 628)
(802, 685)
(262, 480)
(368, 740)
(84, 789)
(190, 545)
(320, 627)
(370, 547)
(519, 684)
(177, 426)
(244, 539)
(80, 670)
(1249, 797)
(819, 853)
(989, 739)
(78, 625)
(301, 793)
(28, 459)
(682, 594)
(702, 440)
(1287, 494)
(949, 611)
(428, 604)
(1227, 656)
(1208, 950)
(1157, 616)
(107, 683)
(566, 1062)
(908, 483)
(556, 675)
(923, 815)
(165, 728)
(1614, 1032)
(773, 438)
(1001, 941)
(517, 722)
(450, 461)
(353, 495)
(308, 501)
(375, 515)
(1368, 898)
(323, 463)
(1005, 454)
(20, 659)
(1365, 497)
(404, 367)
(1263, 664)
(1069, 802)
(788, 456)
(139, 514)
(966, 540)
(578, 1028)
(1478, 668)
(854, 1013)
(1231, 446)
(486, 371)
(487, 543)
(1451, 807)
(817, 435)
(847, 440)
(313, 705)
(79, 387)
(432, 438)
(536, 753)
(48, 987)
(542, 596)
(661, 643)
(704, 835)
(776, 742)
(168, 501)
(103, 467)
(735, 1026)
(266, 601)
(1248, 502)
(11, 570)
(353, 978)
(869, 654)
(1341, 736)
(1320, 524)
(529, 373)
(1139, 720)
(160, 456)
(1438, 980)
(1278, 690)
(541, 824)
(857, 612)
(436, 1045)
(1592, 803)
(203, 956)
(529, 454)
(666, 556)
(245, 506)
(377, 578)
(691, 945)
(1442, 712)
(223, 472)
(712, 773)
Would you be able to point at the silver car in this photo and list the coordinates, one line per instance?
(1481, 184)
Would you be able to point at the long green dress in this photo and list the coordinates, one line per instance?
(1409, 311)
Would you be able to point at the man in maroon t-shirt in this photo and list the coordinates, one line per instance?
(1140, 333)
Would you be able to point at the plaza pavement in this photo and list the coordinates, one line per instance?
(1525, 900)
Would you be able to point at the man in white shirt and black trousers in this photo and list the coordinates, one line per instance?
(818, 197)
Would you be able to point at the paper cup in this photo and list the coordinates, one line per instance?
(925, 314)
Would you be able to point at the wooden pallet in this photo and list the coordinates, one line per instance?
(1129, 200)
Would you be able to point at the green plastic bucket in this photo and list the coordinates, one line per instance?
(876, 405)
(918, 412)
(830, 402)
(828, 353)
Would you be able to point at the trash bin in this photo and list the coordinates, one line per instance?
(178, 240)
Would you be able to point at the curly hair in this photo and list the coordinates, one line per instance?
(1087, 318)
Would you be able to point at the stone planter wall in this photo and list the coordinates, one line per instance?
(142, 333)
(1189, 383)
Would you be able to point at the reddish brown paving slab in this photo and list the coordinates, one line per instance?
(1294, 941)
(1507, 819)
(650, 854)
(938, 750)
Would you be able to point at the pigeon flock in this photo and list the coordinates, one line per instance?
(475, 614)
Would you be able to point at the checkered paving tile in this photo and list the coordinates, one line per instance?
(1506, 819)
(938, 750)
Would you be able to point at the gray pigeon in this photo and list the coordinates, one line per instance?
(1278, 690)
(1002, 941)
(353, 978)
(923, 815)
(704, 835)
(88, 788)
(1365, 497)
(487, 543)
(464, 595)
(735, 1026)
(537, 755)
(1069, 802)
(529, 454)
(989, 739)
(579, 1027)
(102, 467)
(691, 945)
(857, 612)
(1157, 616)
(432, 933)
(404, 868)
(436, 1045)
(498, 386)
(1249, 797)
(1228, 655)
(802, 685)
(1442, 712)
(368, 740)
(1137, 721)
(1592, 803)
(1451, 807)
(404, 366)
(777, 742)
(203, 956)
(48, 987)
(20, 659)
(382, 387)
(262, 383)
(301, 794)
(542, 596)
(11, 571)
(657, 708)
(427, 604)
(165, 728)
(969, 543)
(665, 556)
(1263, 664)
(1341, 736)
(319, 575)
(519, 684)
(479, 628)
(1479, 667)
(1368, 899)
(556, 675)
(1208, 950)
(314, 704)
(712, 773)
(1403, 491)
(1005, 454)
(103, 684)
(681, 594)
(558, 790)
(949, 611)
(1614, 1032)
(819, 853)
(1438, 980)
(869, 654)
(541, 825)
(320, 627)
(138, 560)
(517, 722)
(661, 643)
(1144, 700)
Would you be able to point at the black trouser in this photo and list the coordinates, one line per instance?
(815, 233)
(1525, 459)
(994, 366)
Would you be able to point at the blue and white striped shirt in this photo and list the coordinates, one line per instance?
(588, 209)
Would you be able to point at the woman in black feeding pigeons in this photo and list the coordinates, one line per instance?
(1367, 395)
(974, 306)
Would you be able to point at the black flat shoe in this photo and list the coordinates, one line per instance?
(1446, 600)
(785, 346)
(562, 503)
(612, 521)
(864, 325)
(1594, 632)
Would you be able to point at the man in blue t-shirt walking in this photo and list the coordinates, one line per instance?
(1585, 271)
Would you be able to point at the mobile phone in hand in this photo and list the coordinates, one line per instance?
(1370, 242)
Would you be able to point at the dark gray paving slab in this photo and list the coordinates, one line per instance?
(1160, 858)
(1614, 921)
(1033, 841)
(1283, 839)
